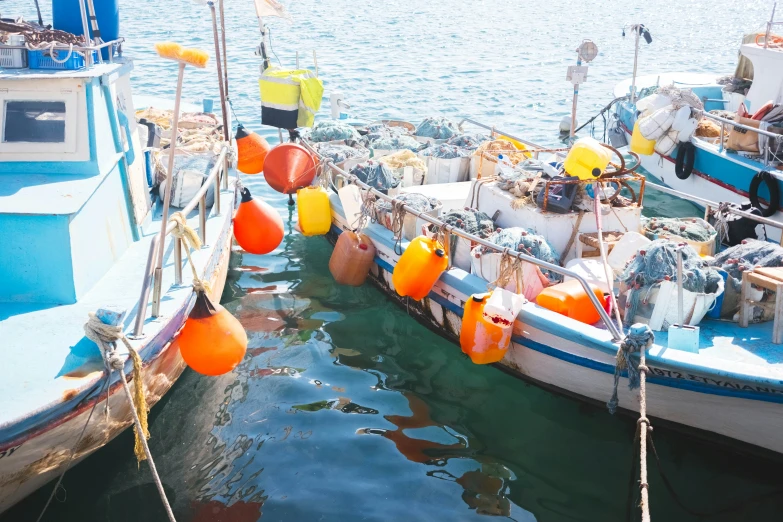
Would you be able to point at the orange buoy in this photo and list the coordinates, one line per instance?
(213, 341)
(258, 228)
(252, 150)
(289, 167)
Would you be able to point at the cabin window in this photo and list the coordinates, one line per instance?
(34, 121)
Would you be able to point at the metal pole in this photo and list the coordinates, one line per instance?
(38, 10)
(225, 172)
(164, 220)
(177, 261)
(223, 45)
(217, 193)
(222, 91)
(680, 306)
(202, 219)
(86, 30)
(636, 30)
(576, 95)
(769, 25)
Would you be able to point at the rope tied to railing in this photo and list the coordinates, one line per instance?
(639, 338)
(510, 266)
(189, 236)
(367, 209)
(106, 337)
(397, 222)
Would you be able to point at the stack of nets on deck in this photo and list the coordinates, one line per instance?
(467, 141)
(687, 228)
(383, 137)
(403, 158)
(417, 202)
(445, 151)
(376, 174)
(746, 256)
(340, 152)
(437, 128)
(658, 262)
(471, 221)
(526, 241)
(333, 130)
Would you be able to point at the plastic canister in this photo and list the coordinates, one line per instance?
(640, 144)
(66, 16)
(570, 299)
(558, 196)
(315, 215)
(502, 307)
(587, 159)
(352, 258)
(484, 341)
(419, 267)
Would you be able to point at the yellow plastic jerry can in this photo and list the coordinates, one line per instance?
(315, 215)
(640, 144)
(587, 159)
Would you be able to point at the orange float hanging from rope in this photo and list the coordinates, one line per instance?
(419, 267)
(213, 341)
(252, 150)
(258, 228)
(289, 167)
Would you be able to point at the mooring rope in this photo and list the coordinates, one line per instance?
(189, 236)
(638, 340)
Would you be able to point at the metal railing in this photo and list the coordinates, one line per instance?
(85, 50)
(770, 24)
(710, 205)
(154, 275)
(777, 139)
(610, 326)
(495, 130)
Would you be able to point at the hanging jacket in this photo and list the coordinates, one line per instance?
(289, 98)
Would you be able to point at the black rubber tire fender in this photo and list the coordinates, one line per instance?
(774, 193)
(686, 157)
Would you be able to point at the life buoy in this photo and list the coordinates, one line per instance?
(686, 156)
(774, 193)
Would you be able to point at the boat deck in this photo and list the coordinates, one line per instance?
(47, 360)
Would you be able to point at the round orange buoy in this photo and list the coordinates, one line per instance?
(252, 150)
(258, 228)
(289, 167)
(213, 341)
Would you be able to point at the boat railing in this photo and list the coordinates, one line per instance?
(495, 130)
(709, 206)
(775, 139)
(85, 50)
(610, 326)
(770, 24)
(217, 176)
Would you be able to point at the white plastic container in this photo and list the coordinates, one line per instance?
(627, 246)
(13, 58)
(441, 170)
(487, 267)
(733, 100)
(592, 270)
(503, 306)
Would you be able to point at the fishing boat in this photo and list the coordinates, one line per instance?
(81, 235)
(729, 384)
(735, 153)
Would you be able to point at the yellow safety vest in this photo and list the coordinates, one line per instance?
(289, 98)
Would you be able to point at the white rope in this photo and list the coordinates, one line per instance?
(189, 236)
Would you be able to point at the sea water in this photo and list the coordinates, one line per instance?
(346, 408)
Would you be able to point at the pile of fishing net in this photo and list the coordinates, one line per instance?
(746, 256)
(691, 229)
(467, 141)
(418, 202)
(657, 262)
(471, 221)
(332, 130)
(403, 158)
(525, 241)
(445, 151)
(394, 142)
(707, 129)
(437, 128)
(681, 97)
(490, 150)
(339, 152)
(377, 175)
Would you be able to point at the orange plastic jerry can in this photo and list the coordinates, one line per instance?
(352, 258)
(571, 300)
(419, 267)
(484, 341)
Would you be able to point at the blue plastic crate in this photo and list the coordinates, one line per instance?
(43, 60)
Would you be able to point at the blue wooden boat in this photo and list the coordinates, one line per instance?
(718, 173)
(79, 232)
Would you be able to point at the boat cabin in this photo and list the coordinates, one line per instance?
(69, 158)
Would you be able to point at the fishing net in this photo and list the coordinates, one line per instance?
(689, 228)
(526, 241)
(658, 262)
(375, 174)
(681, 97)
(445, 151)
(338, 153)
(403, 158)
(332, 130)
(748, 255)
(438, 128)
(471, 221)
(395, 142)
(467, 141)
(417, 202)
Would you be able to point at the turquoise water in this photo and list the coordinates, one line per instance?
(346, 408)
